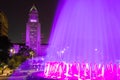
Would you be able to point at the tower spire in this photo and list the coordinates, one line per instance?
(33, 8)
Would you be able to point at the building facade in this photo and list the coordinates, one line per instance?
(33, 31)
(3, 24)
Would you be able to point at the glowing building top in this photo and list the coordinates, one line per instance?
(33, 14)
(33, 8)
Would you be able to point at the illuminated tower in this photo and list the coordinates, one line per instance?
(33, 31)
(3, 24)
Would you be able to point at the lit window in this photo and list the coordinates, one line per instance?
(33, 20)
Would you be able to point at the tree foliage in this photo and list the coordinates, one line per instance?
(25, 50)
(5, 45)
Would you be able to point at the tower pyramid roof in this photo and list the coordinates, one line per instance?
(33, 8)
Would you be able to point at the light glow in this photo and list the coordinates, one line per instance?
(33, 20)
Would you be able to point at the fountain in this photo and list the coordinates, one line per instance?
(86, 31)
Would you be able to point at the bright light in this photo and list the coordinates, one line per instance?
(33, 20)
(12, 51)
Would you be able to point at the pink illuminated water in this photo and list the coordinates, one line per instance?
(86, 31)
(84, 71)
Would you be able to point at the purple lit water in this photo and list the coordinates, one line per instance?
(86, 31)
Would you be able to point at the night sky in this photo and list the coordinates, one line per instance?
(17, 15)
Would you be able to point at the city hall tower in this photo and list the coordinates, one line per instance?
(33, 39)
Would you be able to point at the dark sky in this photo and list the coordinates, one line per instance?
(17, 14)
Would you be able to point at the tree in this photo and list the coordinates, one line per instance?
(26, 51)
(5, 45)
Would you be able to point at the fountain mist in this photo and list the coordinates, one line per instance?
(86, 31)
